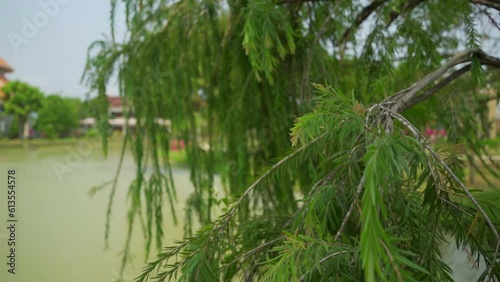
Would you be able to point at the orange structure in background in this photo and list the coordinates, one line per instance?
(4, 68)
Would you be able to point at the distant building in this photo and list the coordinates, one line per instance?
(115, 107)
(117, 121)
(4, 68)
(5, 119)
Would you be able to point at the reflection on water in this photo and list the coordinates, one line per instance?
(60, 229)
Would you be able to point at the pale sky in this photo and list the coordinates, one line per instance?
(46, 41)
(52, 55)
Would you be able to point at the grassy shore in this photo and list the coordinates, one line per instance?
(18, 143)
(48, 146)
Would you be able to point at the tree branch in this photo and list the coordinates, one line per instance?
(403, 98)
(437, 158)
(486, 13)
(391, 260)
(435, 88)
(407, 6)
(254, 250)
(495, 4)
(362, 16)
(351, 208)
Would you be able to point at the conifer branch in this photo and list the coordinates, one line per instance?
(228, 248)
(489, 222)
(112, 194)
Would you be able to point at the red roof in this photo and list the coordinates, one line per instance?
(3, 81)
(6, 67)
(115, 101)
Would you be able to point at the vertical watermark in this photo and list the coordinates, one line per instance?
(30, 26)
(11, 222)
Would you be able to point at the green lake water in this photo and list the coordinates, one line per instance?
(60, 228)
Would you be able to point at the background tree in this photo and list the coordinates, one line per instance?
(363, 196)
(77, 106)
(13, 131)
(22, 99)
(58, 116)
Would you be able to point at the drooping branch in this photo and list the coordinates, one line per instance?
(418, 135)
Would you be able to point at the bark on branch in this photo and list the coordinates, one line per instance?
(362, 16)
(495, 4)
(405, 7)
(409, 97)
(435, 88)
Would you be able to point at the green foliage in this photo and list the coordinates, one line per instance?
(22, 99)
(378, 211)
(13, 128)
(76, 106)
(58, 116)
(359, 199)
(262, 43)
(92, 133)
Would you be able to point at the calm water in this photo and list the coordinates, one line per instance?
(60, 228)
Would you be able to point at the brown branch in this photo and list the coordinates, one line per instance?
(405, 96)
(362, 16)
(254, 250)
(351, 208)
(332, 255)
(418, 99)
(486, 13)
(391, 260)
(435, 88)
(495, 4)
(303, 277)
